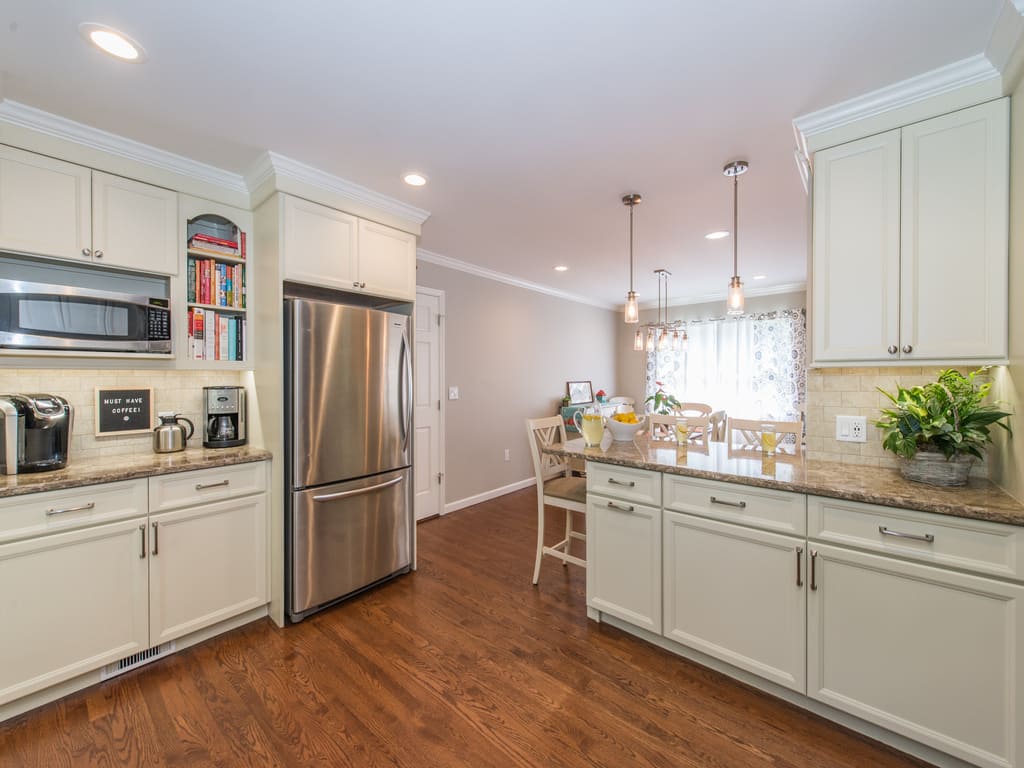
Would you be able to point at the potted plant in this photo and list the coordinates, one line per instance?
(662, 402)
(601, 395)
(938, 430)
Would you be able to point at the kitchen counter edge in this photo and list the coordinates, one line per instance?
(112, 469)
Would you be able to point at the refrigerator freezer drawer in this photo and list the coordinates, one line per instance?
(347, 536)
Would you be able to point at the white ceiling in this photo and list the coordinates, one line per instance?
(530, 117)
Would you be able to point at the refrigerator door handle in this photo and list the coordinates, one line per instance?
(405, 398)
(357, 491)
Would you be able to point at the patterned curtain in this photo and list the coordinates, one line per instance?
(752, 366)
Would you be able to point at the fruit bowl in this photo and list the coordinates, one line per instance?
(624, 431)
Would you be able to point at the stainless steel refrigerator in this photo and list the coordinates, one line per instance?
(348, 450)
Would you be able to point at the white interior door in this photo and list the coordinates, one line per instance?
(428, 442)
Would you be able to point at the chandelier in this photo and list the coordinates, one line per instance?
(662, 333)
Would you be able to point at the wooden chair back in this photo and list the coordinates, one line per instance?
(542, 433)
(664, 427)
(746, 433)
(693, 409)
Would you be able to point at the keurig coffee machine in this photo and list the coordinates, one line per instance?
(224, 417)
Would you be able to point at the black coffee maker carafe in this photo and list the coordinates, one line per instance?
(224, 417)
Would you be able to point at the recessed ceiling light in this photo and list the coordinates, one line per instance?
(760, 277)
(716, 235)
(112, 41)
(414, 179)
(561, 268)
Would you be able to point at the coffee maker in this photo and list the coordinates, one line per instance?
(36, 433)
(224, 417)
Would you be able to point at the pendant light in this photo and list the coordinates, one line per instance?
(662, 333)
(632, 310)
(735, 301)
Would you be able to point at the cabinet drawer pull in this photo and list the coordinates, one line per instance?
(900, 535)
(156, 538)
(142, 550)
(814, 560)
(623, 483)
(201, 486)
(620, 507)
(724, 503)
(52, 512)
(799, 558)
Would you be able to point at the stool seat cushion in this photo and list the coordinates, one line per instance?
(571, 488)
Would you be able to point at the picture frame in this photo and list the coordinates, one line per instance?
(123, 411)
(580, 392)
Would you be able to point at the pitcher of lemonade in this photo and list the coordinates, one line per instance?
(590, 422)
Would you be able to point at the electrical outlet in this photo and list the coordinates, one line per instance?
(453, 393)
(508, 455)
(852, 429)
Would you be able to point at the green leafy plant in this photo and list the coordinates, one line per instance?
(946, 416)
(662, 402)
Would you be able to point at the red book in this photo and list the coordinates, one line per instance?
(215, 240)
(242, 241)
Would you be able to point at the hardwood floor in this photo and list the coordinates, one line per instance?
(463, 663)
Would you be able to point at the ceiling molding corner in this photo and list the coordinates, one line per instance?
(279, 166)
(959, 74)
(501, 277)
(1007, 34)
(24, 116)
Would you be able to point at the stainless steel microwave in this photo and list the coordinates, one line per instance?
(64, 317)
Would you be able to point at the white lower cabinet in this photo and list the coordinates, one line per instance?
(207, 563)
(737, 594)
(624, 560)
(933, 654)
(71, 602)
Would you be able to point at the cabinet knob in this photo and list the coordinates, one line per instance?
(355, 284)
(98, 254)
(893, 349)
(86, 252)
(907, 349)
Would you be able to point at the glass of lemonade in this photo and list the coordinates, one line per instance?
(768, 439)
(682, 431)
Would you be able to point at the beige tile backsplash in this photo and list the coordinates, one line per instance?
(179, 391)
(854, 392)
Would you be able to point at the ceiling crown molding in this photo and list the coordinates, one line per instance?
(272, 165)
(489, 274)
(24, 116)
(959, 74)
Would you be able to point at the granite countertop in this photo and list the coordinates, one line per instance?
(980, 499)
(110, 469)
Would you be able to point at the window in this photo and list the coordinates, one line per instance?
(752, 366)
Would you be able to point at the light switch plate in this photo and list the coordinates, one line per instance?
(852, 429)
(453, 393)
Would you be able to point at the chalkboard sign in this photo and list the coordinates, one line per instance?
(124, 410)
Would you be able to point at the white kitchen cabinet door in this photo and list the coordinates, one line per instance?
(855, 264)
(44, 205)
(71, 602)
(387, 261)
(954, 235)
(624, 561)
(932, 654)
(134, 225)
(319, 245)
(207, 564)
(737, 594)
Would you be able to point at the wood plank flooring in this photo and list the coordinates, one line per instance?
(463, 663)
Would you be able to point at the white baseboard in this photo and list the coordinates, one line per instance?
(487, 495)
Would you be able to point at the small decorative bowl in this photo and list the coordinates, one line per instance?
(623, 432)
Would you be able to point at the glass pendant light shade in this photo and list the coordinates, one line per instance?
(649, 346)
(638, 341)
(632, 310)
(735, 300)
(686, 340)
(663, 339)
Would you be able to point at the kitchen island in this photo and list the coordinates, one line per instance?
(846, 590)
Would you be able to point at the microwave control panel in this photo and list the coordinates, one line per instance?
(159, 324)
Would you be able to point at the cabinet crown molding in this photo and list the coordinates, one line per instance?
(273, 171)
(24, 116)
(960, 74)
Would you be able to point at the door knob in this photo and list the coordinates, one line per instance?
(907, 349)
(893, 349)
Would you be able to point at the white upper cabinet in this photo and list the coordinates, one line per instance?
(44, 205)
(324, 246)
(134, 225)
(953, 285)
(910, 234)
(387, 260)
(52, 208)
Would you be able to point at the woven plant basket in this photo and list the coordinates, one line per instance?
(934, 468)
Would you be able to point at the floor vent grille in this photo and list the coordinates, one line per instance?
(136, 660)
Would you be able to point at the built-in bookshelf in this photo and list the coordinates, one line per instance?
(216, 287)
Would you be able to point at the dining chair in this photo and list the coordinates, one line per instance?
(693, 409)
(622, 403)
(663, 427)
(746, 433)
(556, 487)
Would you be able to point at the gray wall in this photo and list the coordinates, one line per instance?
(510, 351)
(631, 365)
